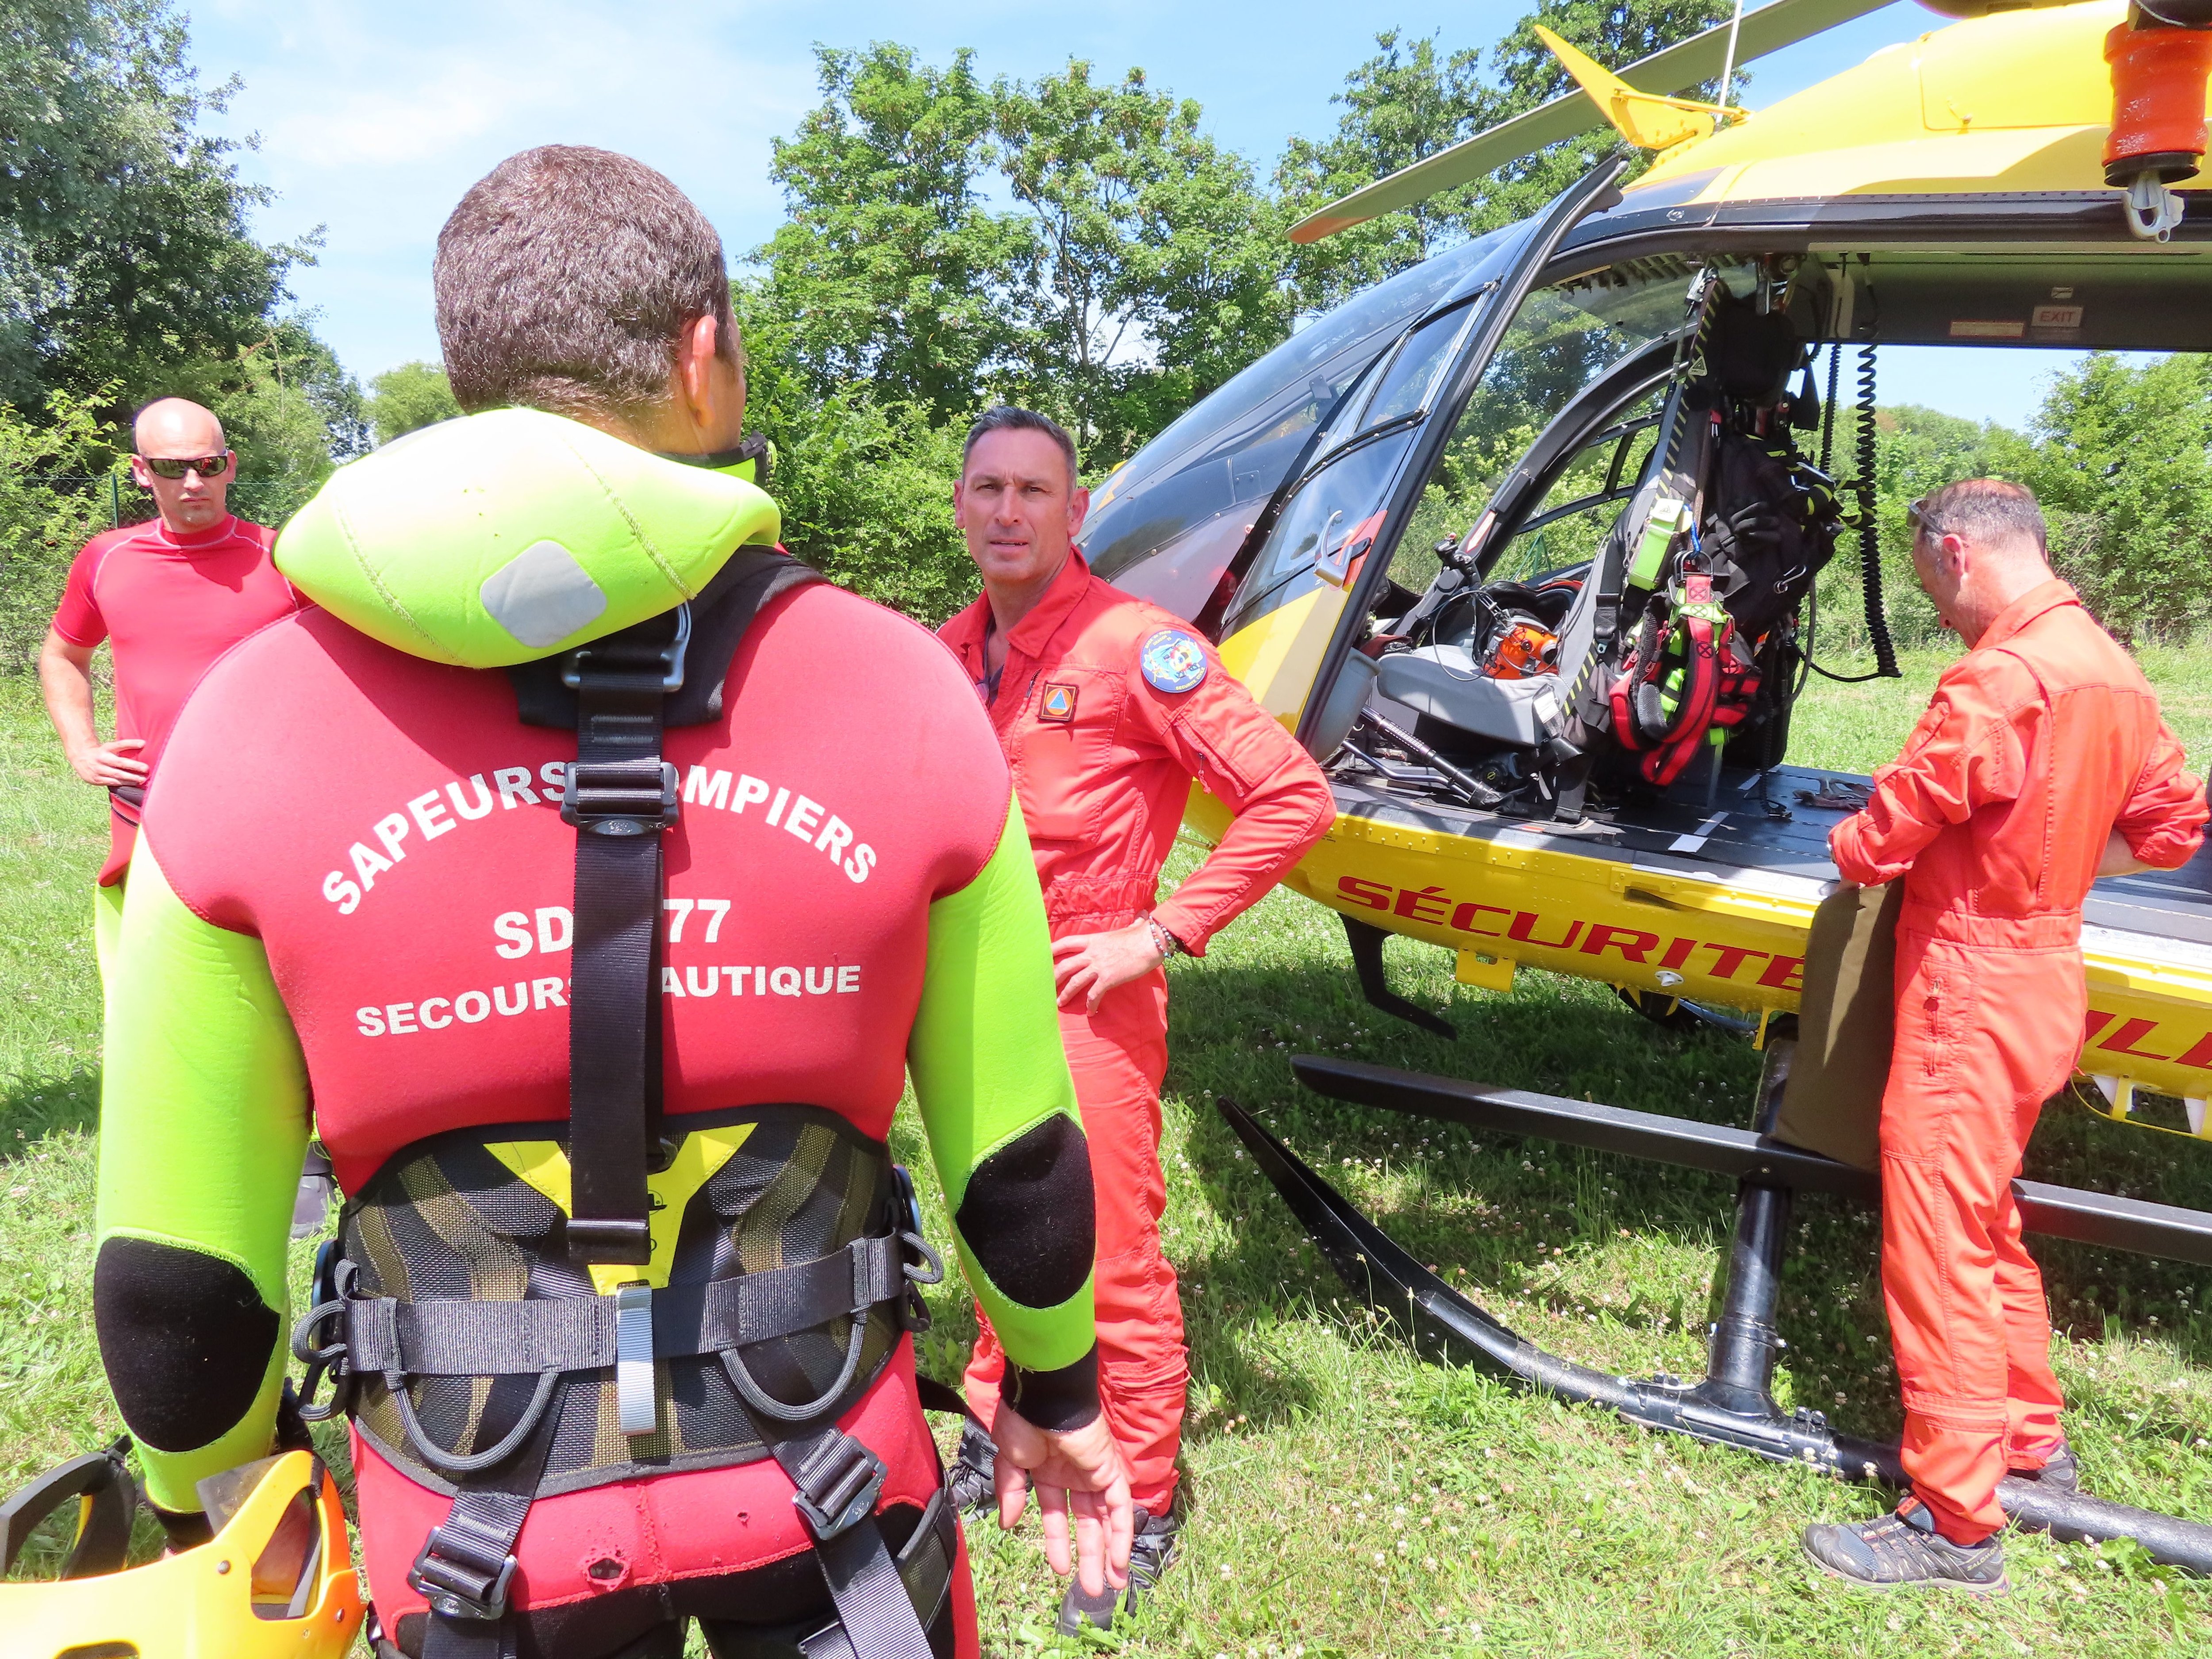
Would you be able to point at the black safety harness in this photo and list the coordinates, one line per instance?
(619, 694)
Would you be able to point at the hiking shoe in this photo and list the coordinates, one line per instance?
(2060, 1472)
(1903, 1548)
(1151, 1547)
(974, 1475)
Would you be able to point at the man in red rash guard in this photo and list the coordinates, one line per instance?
(360, 900)
(1108, 707)
(169, 597)
(2041, 764)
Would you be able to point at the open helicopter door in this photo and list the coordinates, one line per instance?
(1326, 540)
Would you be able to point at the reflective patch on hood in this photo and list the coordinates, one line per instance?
(500, 537)
(542, 595)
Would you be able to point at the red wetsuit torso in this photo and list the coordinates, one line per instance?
(413, 897)
(168, 605)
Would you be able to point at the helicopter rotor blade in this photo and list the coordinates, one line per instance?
(1697, 59)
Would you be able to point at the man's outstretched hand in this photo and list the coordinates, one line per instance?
(1078, 1473)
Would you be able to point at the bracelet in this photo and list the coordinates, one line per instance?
(1164, 942)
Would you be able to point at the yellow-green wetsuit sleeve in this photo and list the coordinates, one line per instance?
(203, 1120)
(991, 1076)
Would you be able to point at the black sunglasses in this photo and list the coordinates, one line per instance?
(172, 466)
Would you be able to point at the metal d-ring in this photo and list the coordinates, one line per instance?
(447, 1462)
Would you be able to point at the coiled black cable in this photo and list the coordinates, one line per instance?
(1877, 616)
(1828, 412)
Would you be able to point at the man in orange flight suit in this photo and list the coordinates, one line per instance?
(1107, 708)
(2041, 764)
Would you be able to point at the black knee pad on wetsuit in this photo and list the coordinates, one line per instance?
(186, 1338)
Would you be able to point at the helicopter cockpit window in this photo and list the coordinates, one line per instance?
(1561, 340)
(1325, 528)
(1410, 378)
(1336, 512)
(1231, 452)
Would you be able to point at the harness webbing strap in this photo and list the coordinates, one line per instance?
(575, 1333)
(467, 1563)
(620, 796)
(838, 1480)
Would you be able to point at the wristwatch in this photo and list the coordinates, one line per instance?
(1166, 943)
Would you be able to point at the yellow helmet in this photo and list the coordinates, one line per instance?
(276, 1580)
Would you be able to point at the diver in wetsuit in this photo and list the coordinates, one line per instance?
(382, 888)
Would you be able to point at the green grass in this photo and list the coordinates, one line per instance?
(1348, 1499)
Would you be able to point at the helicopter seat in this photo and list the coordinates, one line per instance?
(1446, 683)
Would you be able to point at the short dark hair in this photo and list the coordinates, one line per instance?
(1985, 510)
(1008, 418)
(566, 277)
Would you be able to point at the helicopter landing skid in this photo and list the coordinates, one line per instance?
(1733, 1404)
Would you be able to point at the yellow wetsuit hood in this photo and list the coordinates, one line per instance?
(513, 535)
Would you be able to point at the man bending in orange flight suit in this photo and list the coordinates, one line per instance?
(1107, 708)
(2040, 765)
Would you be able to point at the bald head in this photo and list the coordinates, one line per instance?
(1978, 545)
(176, 428)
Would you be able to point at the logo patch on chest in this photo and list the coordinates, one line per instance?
(1172, 661)
(1057, 705)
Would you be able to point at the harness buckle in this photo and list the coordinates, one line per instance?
(458, 1580)
(614, 1239)
(838, 1485)
(619, 798)
(668, 657)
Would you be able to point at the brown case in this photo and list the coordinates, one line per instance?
(1833, 1101)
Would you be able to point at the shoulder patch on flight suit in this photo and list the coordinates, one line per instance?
(1057, 705)
(1172, 661)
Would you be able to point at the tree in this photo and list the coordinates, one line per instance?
(890, 269)
(123, 242)
(1408, 102)
(1401, 106)
(1154, 269)
(865, 486)
(407, 398)
(2125, 477)
(53, 497)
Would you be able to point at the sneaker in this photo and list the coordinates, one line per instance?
(973, 1475)
(1151, 1548)
(1903, 1548)
(2059, 1472)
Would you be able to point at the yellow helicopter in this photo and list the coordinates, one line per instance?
(1523, 543)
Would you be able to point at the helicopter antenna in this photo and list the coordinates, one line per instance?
(1727, 64)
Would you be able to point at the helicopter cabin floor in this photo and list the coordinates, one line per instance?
(1761, 826)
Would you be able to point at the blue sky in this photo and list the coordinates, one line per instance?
(372, 120)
